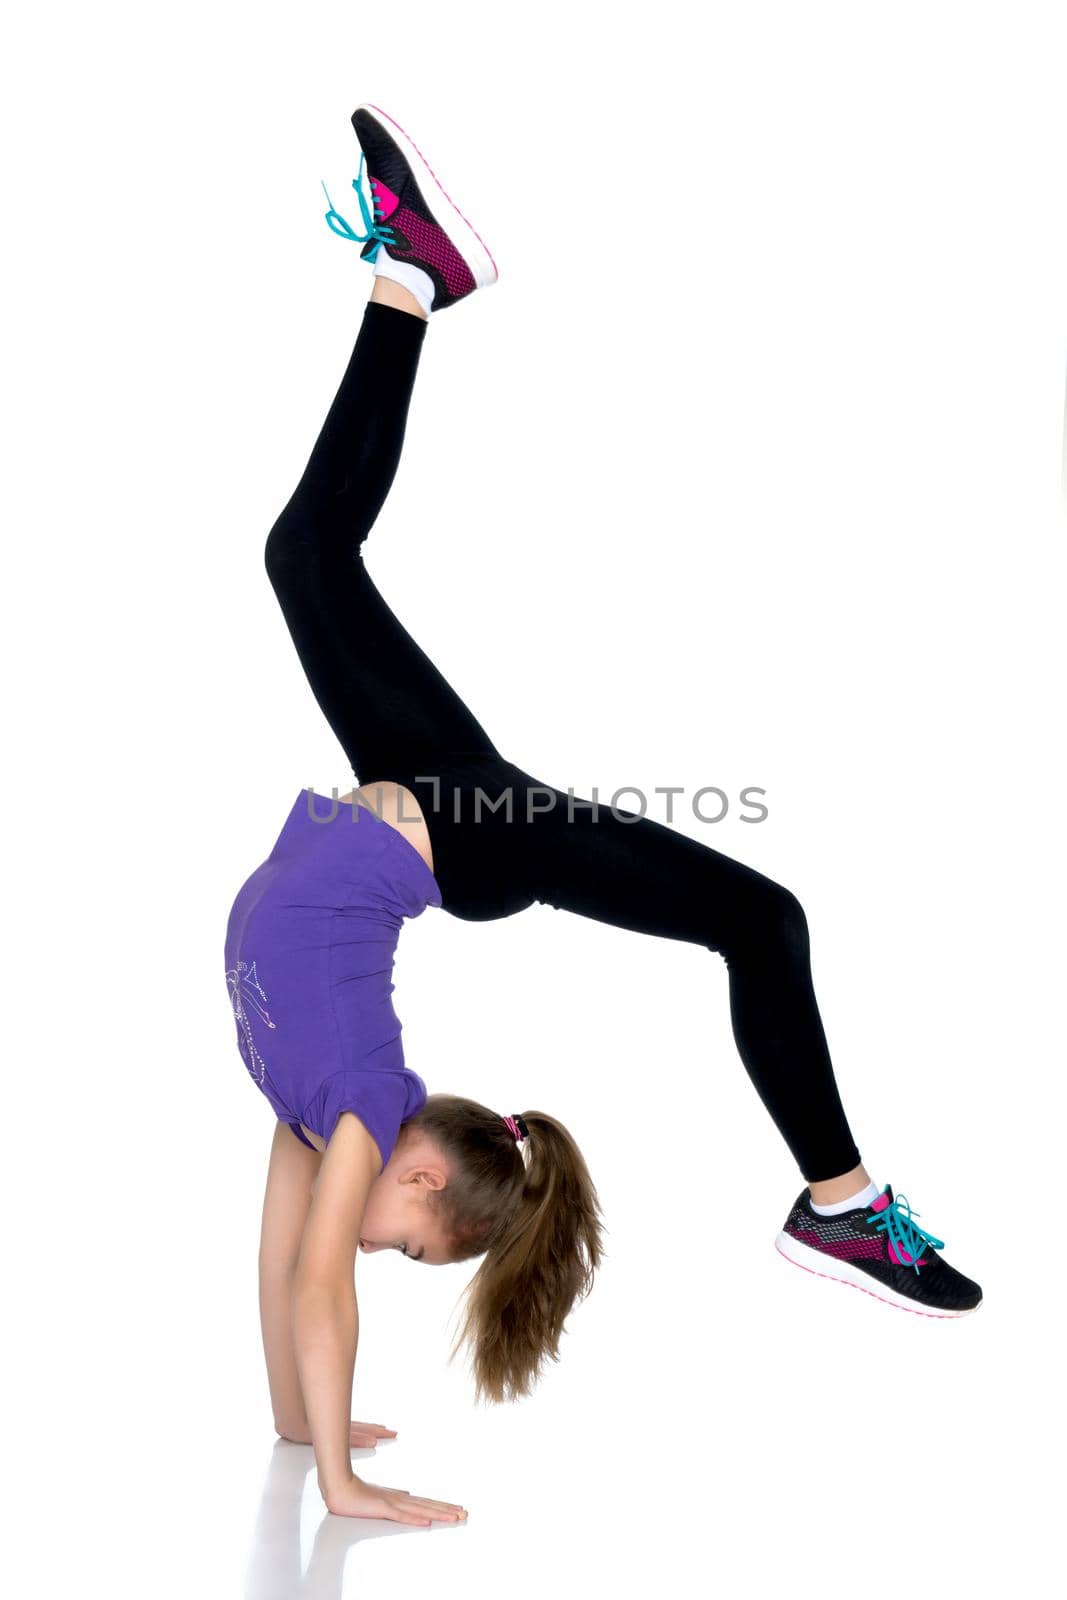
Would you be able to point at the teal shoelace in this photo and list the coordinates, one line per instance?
(896, 1221)
(377, 230)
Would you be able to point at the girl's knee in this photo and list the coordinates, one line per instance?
(789, 922)
(776, 921)
(317, 544)
(286, 545)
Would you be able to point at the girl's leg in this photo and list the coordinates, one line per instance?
(643, 876)
(384, 698)
(390, 707)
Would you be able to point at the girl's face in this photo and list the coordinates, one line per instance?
(397, 1215)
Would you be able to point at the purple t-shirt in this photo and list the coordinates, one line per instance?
(309, 959)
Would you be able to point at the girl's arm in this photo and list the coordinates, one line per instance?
(325, 1318)
(290, 1188)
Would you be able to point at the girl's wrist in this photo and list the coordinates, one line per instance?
(332, 1486)
(295, 1428)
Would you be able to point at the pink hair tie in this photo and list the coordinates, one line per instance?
(516, 1127)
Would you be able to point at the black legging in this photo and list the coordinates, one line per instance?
(397, 719)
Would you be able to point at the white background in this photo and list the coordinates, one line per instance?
(747, 471)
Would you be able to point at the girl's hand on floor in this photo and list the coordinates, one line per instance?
(359, 1499)
(361, 1435)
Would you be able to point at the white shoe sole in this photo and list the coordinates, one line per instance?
(442, 207)
(824, 1266)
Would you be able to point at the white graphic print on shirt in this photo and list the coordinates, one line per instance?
(245, 988)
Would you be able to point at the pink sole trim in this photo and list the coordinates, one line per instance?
(941, 1315)
(438, 182)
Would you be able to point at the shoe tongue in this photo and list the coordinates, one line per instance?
(387, 200)
(884, 1199)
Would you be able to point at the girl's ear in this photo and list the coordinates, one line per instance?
(430, 1177)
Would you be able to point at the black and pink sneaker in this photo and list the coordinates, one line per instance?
(410, 216)
(878, 1248)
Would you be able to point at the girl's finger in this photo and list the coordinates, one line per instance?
(405, 1515)
(408, 1511)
